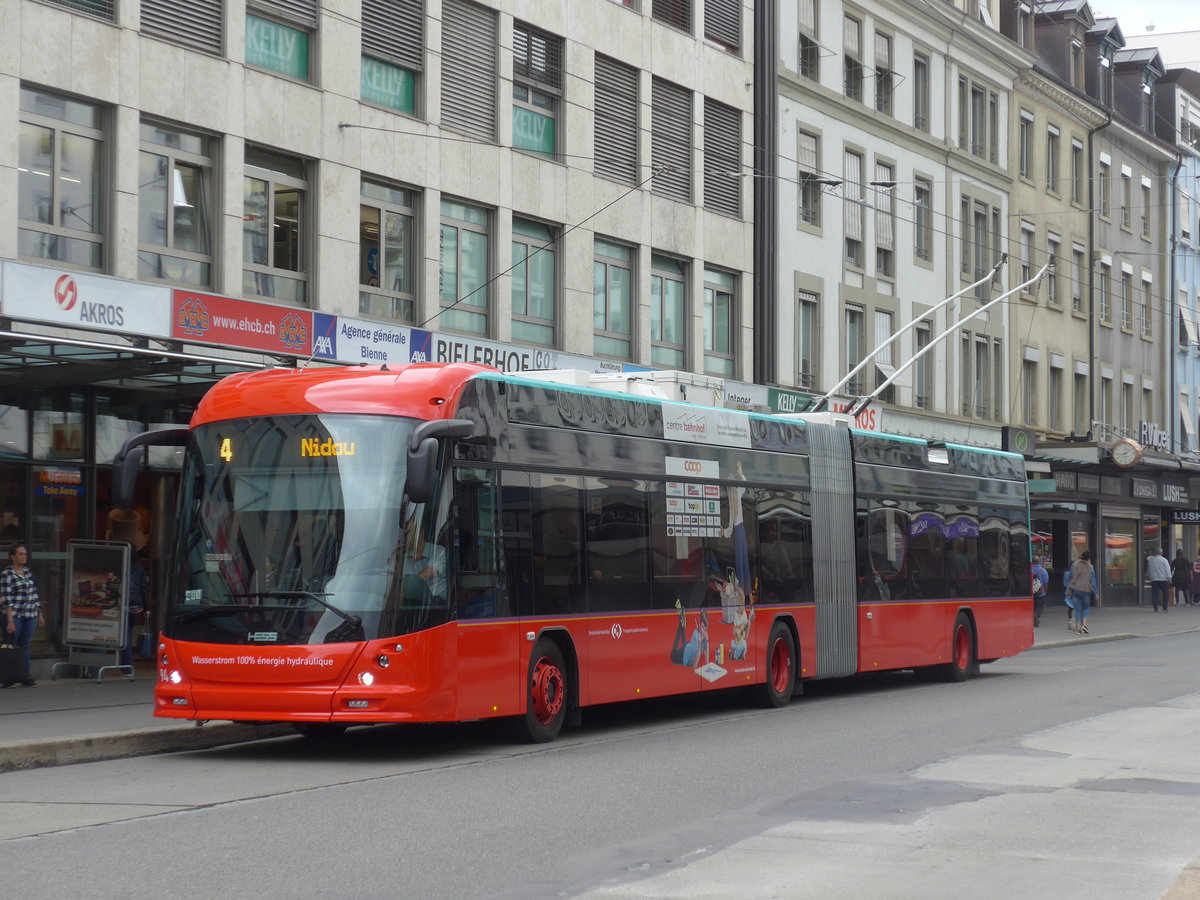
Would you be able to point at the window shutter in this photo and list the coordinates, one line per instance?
(722, 22)
(192, 23)
(806, 153)
(884, 237)
(808, 17)
(469, 34)
(296, 12)
(883, 51)
(616, 117)
(853, 194)
(852, 37)
(673, 12)
(395, 31)
(671, 139)
(102, 8)
(722, 158)
(537, 56)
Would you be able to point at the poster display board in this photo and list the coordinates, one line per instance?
(97, 594)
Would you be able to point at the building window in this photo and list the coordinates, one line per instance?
(923, 219)
(852, 187)
(393, 47)
(923, 368)
(1024, 25)
(1053, 250)
(885, 220)
(612, 300)
(60, 190)
(1103, 181)
(103, 9)
(1028, 233)
(883, 74)
(1148, 103)
(1079, 276)
(993, 127)
(810, 51)
(537, 86)
(668, 312)
(1145, 310)
(1078, 185)
(981, 392)
(807, 307)
(1029, 391)
(1054, 397)
(1146, 207)
(853, 345)
(1106, 401)
(616, 120)
(1104, 292)
(469, 60)
(1128, 422)
(720, 309)
(671, 140)
(465, 264)
(1127, 300)
(885, 359)
(533, 282)
(1082, 411)
(274, 227)
(965, 375)
(1126, 198)
(921, 92)
(1052, 160)
(964, 112)
(978, 122)
(722, 158)
(1187, 211)
(1105, 81)
(195, 24)
(852, 51)
(676, 13)
(174, 192)
(277, 36)
(387, 258)
(1025, 144)
(723, 23)
(809, 178)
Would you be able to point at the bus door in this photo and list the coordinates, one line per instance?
(624, 656)
(489, 671)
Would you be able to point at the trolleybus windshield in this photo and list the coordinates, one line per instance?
(294, 530)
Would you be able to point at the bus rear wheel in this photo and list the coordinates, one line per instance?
(962, 651)
(547, 697)
(777, 690)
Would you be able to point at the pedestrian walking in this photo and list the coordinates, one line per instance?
(1181, 578)
(1041, 580)
(1081, 582)
(1158, 570)
(21, 607)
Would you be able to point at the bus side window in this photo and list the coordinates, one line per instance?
(558, 570)
(618, 544)
(476, 582)
(516, 532)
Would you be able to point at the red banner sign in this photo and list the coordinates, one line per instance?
(210, 319)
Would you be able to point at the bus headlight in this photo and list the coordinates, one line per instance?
(176, 676)
(366, 679)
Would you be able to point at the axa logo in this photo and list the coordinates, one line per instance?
(292, 332)
(66, 293)
(193, 317)
(323, 345)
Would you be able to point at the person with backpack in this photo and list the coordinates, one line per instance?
(1081, 580)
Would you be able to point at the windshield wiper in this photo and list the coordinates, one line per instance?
(354, 620)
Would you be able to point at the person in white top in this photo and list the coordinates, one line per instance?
(1158, 570)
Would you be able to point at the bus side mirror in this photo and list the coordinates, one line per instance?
(129, 459)
(423, 449)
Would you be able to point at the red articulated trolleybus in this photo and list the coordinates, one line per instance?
(438, 543)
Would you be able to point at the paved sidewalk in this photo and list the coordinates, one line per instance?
(74, 720)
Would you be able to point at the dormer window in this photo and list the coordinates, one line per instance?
(1076, 62)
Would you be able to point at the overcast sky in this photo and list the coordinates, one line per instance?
(1135, 15)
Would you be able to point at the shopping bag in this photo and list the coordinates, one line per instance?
(12, 664)
(145, 645)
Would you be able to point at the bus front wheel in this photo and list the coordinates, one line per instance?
(547, 694)
(777, 690)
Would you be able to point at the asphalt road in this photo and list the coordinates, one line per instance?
(1068, 772)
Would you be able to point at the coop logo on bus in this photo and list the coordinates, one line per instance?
(327, 447)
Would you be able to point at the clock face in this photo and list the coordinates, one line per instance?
(1125, 453)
